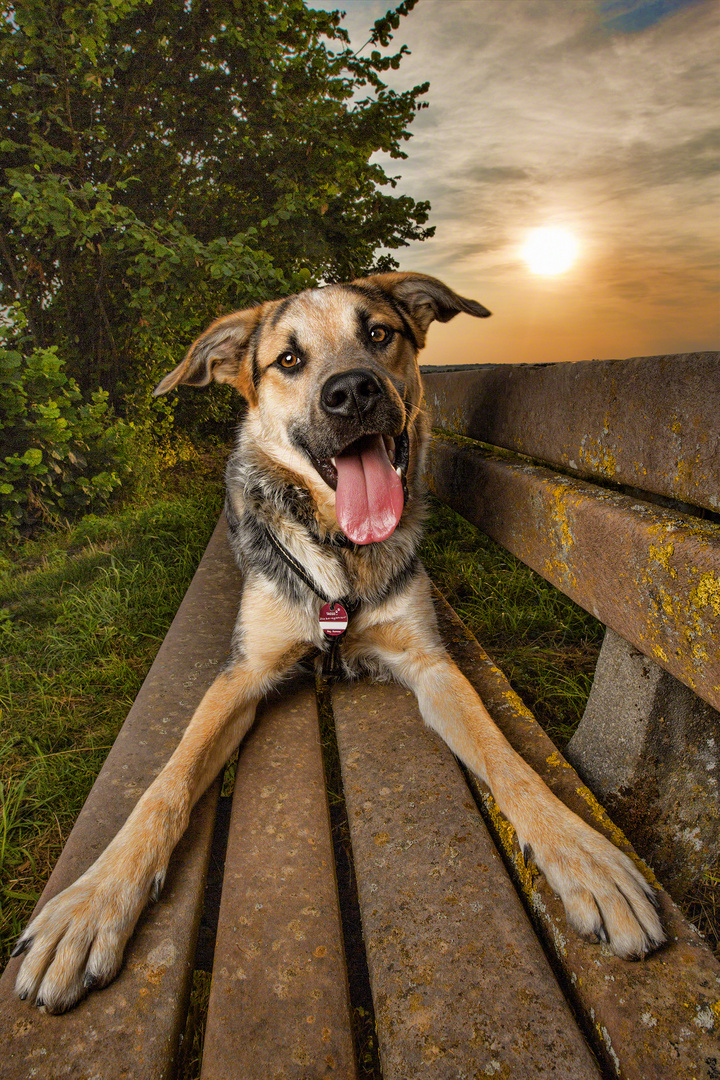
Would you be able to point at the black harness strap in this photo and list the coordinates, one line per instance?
(331, 670)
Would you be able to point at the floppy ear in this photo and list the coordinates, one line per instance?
(221, 353)
(426, 298)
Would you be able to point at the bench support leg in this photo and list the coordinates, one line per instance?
(650, 750)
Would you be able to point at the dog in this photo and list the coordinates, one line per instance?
(325, 507)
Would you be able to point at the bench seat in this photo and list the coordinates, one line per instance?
(472, 969)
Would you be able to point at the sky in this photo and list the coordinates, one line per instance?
(597, 117)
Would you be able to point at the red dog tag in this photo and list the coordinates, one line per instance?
(333, 619)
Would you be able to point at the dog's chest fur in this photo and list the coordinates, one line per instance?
(260, 498)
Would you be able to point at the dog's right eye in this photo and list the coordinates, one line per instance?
(289, 360)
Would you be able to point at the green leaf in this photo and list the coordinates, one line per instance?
(162, 171)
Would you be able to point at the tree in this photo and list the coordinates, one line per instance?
(166, 160)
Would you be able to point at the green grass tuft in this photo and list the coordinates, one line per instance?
(82, 614)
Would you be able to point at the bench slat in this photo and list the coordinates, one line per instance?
(279, 1000)
(649, 422)
(651, 1020)
(460, 984)
(651, 574)
(131, 1029)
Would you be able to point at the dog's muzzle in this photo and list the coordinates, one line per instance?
(367, 469)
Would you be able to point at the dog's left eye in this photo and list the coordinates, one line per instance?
(380, 334)
(289, 360)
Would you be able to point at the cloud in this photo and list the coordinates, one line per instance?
(687, 159)
(598, 115)
(633, 16)
(498, 174)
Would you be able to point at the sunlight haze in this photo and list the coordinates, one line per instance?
(598, 117)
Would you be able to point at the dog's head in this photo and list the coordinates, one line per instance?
(333, 389)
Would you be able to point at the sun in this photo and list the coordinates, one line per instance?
(550, 250)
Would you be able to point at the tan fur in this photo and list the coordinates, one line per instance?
(77, 940)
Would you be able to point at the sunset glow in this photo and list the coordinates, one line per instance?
(550, 250)
(596, 118)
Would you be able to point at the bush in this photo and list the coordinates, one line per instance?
(59, 454)
(164, 162)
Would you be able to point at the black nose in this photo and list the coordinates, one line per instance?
(352, 393)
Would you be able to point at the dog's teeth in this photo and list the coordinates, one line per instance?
(332, 459)
(398, 470)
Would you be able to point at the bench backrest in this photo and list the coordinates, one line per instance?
(604, 438)
(652, 422)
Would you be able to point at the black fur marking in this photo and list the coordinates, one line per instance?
(280, 310)
(402, 313)
(253, 344)
(401, 579)
(373, 293)
(367, 321)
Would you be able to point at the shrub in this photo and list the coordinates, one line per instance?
(59, 453)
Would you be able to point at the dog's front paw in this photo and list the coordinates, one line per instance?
(605, 896)
(77, 941)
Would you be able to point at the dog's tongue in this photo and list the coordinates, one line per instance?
(369, 497)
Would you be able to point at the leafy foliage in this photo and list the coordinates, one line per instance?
(166, 160)
(162, 162)
(58, 453)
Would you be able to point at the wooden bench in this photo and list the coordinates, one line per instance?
(616, 501)
(462, 982)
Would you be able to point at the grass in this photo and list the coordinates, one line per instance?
(82, 614)
(546, 645)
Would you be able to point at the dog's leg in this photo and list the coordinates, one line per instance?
(77, 941)
(604, 894)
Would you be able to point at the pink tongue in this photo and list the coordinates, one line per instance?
(369, 498)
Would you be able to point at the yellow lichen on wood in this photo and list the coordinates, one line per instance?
(616, 834)
(663, 553)
(594, 454)
(506, 837)
(707, 592)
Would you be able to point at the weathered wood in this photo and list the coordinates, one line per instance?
(651, 574)
(650, 422)
(278, 1000)
(650, 750)
(460, 984)
(650, 1020)
(130, 1030)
